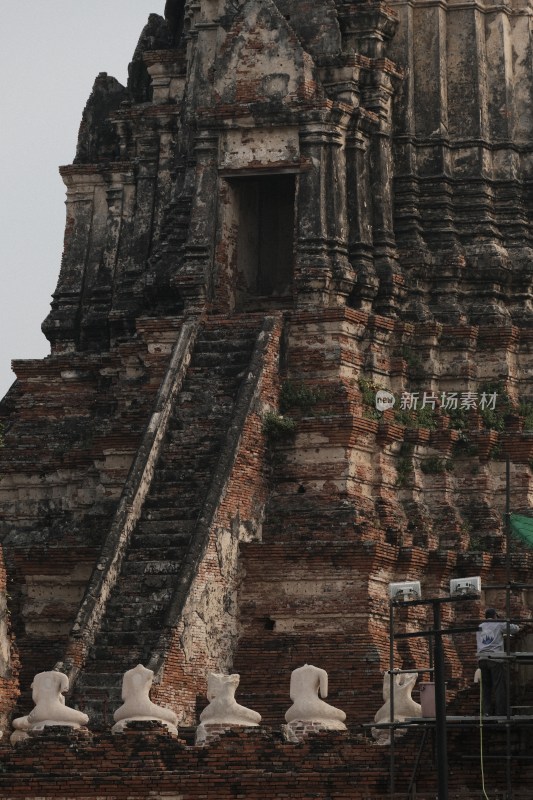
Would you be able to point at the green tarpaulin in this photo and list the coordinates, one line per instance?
(523, 527)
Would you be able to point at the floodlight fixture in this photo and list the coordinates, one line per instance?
(459, 586)
(408, 590)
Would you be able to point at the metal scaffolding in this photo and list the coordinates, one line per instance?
(441, 722)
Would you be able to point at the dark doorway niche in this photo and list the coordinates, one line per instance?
(265, 241)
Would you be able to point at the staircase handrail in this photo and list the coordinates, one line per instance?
(248, 395)
(127, 514)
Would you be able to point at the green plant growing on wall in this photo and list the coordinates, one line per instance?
(464, 446)
(435, 465)
(413, 360)
(404, 417)
(458, 418)
(426, 417)
(526, 411)
(475, 544)
(368, 394)
(417, 417)
(404, 466)
(494, 418)
(496, 451)
(298, 395)
(277, 427)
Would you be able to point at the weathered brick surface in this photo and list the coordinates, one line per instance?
(85, 418)
(253, 764)
(338, 528)
(165, 542)
(405, 131)
(205, 636)
(9, 664)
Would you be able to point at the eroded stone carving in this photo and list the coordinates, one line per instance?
(306, 683)
(404, 705)
(21, 727)
(223, 709)
(50, 708)
(137, 705)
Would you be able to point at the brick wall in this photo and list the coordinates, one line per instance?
(204, 637)
(9, 665)
(343, 519)
(247, 764)
(67, 453)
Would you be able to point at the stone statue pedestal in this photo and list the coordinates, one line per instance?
(145, 726)
(205, 734)
(296, 732)
(60, 732)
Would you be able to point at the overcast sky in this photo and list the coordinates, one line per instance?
(51, 52)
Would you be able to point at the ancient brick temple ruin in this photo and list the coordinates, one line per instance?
(291, 205)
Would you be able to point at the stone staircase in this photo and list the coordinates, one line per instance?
(150, 571)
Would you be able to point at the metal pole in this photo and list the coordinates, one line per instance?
(392, 766)
(440, 706)
(508, 519)
(508, 623)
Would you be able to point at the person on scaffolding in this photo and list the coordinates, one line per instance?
(490, 654)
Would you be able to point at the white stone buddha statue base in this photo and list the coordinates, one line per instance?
(404, 705)
(137, 706)
(308, 708)
(50, 709)
(223, 712)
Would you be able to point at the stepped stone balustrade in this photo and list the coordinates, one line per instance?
(50, 710)
(232, 512)
(187, 530)
(137, 706)
(129, 508)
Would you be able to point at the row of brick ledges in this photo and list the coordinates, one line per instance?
(156, 553)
